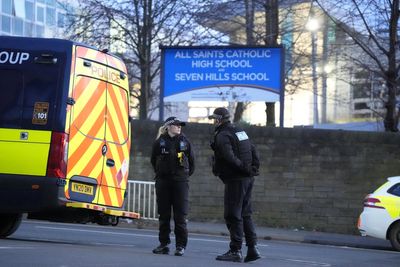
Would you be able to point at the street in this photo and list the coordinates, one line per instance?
(55, 244)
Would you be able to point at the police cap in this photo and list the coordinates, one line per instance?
(174, 121)
(220, 113)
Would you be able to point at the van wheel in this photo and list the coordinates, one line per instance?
(9, 223)
(394, 236)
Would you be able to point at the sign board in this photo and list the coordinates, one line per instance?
(222, 73)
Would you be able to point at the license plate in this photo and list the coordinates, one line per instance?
(82, 188)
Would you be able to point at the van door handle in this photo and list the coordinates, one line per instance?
(110, 162)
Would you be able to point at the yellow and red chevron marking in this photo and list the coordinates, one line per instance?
(114, 179)
(100, 117)
(89, 53)
(102, 71)
(87, 129)
(117, 114)
(116, 63)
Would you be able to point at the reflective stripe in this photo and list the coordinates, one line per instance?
(391, 204)
(242, 136)
(24, 151)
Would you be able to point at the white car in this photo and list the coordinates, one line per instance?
(381, 215)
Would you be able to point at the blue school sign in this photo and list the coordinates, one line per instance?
(221, 73)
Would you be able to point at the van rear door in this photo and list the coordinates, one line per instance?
(99, 132)
(117, 135)
(86, 140)
(27, 108)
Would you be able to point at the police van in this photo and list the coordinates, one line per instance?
(64, 133)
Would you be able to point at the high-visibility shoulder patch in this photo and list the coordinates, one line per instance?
(242, 135)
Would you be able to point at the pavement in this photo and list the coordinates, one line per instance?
(279, 234)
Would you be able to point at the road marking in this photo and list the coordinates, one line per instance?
(115, 233)
(130, 234)
(16, 247)
(311, 263)
(92, 231)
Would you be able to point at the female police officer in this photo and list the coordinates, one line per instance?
(173, 162)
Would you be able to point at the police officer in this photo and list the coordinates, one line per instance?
(236, 163)
(173, 162)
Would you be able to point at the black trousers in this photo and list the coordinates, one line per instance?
(237, 212)
(172, 196)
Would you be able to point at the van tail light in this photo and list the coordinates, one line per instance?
(372, 202)
(57, 162)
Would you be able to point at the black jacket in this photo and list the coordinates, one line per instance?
(235, 157)
(172, 157)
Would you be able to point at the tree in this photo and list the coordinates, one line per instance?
(267, 22)
(373, 27)
(271, 12)
(135, 29)
(249, 24)
(271, 38)
(236, 20)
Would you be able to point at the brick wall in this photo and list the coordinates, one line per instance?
(309, 179)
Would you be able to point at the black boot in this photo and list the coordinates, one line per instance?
(231, 255)
(161, 249)
(252, 254)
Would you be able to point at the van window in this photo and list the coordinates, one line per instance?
(11, 100)
(25, 87)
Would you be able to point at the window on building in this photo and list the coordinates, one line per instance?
(358, 106)
(6, 24)
(39, 31)
(50, 16)
(198, 112)
(287, 41)
(6, 6)
(29, 29)
(361, 90)
(331, 32)
(60, 19)
(19, 8)
(51, 2)
(18, 26)
(40, 14)
(29, 10)
(361, 84)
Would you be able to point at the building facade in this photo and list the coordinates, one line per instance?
(32, 18)
(321, 85)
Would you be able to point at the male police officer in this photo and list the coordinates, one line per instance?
(236, 163)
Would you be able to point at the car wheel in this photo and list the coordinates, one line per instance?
(9, 223)
(394, 236)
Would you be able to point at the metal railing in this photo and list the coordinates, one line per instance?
(142, 198)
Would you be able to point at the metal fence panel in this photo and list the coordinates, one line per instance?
(142, 198)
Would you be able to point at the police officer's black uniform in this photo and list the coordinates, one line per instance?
(173, 162)
(236, 163)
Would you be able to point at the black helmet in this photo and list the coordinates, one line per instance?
(220, 113)
(174, 121)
